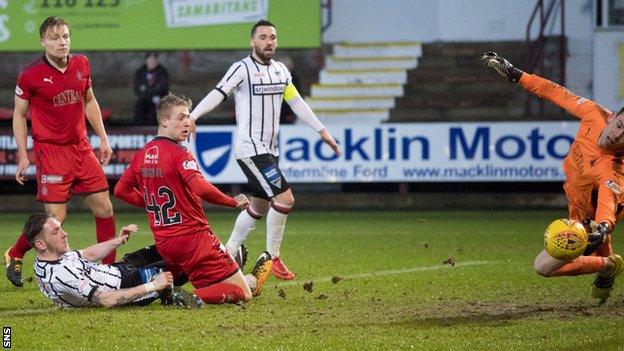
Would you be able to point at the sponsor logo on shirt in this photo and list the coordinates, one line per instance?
(48, 80)
(151, 155)
(67, 97)
(580, 101)
(615, 187)
(51, 179)
(190, 165)
(259, 75)
(268, 89)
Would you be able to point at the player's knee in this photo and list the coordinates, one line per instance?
(257, 213)
(284, 200)
(104, 209)
(58, 213)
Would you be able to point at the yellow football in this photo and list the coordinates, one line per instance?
(565, 239)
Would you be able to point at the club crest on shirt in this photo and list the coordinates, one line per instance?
(190, 165)
(151, 155)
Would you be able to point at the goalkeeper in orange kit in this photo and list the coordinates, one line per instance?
(591, 169)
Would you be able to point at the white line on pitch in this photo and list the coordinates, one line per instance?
(386, 273)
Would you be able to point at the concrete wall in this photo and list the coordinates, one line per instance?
(607, 68)
(465, 20)
(428, 21)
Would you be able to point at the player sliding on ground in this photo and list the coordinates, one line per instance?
(72, 278)
(589, 169)
(164, 179)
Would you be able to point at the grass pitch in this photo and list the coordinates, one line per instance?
(380, 280)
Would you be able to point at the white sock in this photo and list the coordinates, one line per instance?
(242, 227)
(276, 222)
(252, 281)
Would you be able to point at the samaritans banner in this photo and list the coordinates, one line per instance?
(159, 24)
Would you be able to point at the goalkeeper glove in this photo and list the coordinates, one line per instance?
(502, 66)
(596, 238)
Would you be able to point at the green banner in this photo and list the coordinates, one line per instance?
(160, 24)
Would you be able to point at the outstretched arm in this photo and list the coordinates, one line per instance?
(209, 103)
(304, 112)
(541, 87)
(209, 192)
(100, 250)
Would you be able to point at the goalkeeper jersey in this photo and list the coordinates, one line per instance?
(258, 91)
(592, 115)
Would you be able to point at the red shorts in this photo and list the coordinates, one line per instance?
(200, 255)
(64, 170)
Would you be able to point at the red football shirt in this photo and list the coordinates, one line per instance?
(56, 99)
(161, 171)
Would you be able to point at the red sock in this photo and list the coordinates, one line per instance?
(221, 293)
(20, 247)
(105, 230)
(581, 265)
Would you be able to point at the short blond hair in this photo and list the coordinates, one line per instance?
(163, 110)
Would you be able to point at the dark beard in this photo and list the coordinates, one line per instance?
(262, 56)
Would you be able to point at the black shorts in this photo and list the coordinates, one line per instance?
(265, 178)
(135, 265)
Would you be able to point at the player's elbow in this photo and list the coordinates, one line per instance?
(109, 303)
(107, 299)
(119, 192)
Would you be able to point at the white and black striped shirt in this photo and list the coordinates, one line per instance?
(258, 91)
(71, 281)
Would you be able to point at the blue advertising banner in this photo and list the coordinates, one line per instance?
(407, 152)
(412, 152)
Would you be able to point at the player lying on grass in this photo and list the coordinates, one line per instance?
(589, 169)
(71, 278)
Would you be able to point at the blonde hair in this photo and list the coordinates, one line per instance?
(163, 110)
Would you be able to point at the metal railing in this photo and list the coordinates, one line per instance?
(326, 9)
(544, 15)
